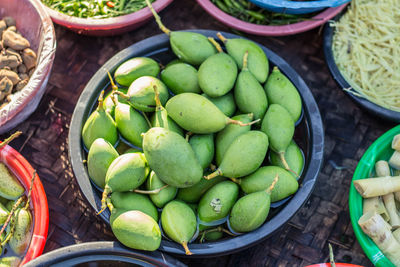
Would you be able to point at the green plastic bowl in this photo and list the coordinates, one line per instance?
(381, 149)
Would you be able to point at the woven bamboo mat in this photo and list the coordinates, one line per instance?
(324, 218)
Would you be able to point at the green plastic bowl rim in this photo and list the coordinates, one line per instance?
(367, 161)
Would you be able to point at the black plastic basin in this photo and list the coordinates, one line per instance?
(103, 254)
(309, 135)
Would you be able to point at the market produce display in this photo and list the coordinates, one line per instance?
(191, 160)
(96, 9)
(371, 68)
(380, 219)
(15, 215)
(249, 12)
(17, 60)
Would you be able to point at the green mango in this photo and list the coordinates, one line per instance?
(100, 156)
(127, 172)
(165, 195)
(213, 236)
(262, 179)
(293, 156)
(10, 188)
(181, 78)
(257, 62)
(174, 61)
(179, 223)
(135, 68)
(217, 75)
(279, 126)
(172, 125)
(21, 238)
(133, 201)
(225, 137)
(136, 230)
(141, 94)
(193, 194)
(9, 261)
(3, 214)
(100, 124)
(250, 212)
(280, 90)
(249, 94)
(160, 117)
(245, 155)
(130, 123)
(197, 114)
(193, 207)
(225, 103)
(190, 47)
(203, 147)
(109, 104)
(3, 200)
(171, 157)
(217, 202)
(133, 150)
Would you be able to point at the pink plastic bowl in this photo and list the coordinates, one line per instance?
(109, 26)
(264, 30)
(23, 171)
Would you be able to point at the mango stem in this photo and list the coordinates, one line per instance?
(104, 198)
(221, 37)
(188, 135)
(9, 139)
(245, 57)
(158, 19)
(185, 246)
(271, 187)
(113, 86)
(10, 234)
(124, 96)
(10, 215)
(147, 120)
(30, 190)
(150, 192)
(218, 172)
(236, 180)
(331, 256)
(285, 164)
(101, 100)
(230, 121)
(217, 45)
(109, 204)
(157, 98)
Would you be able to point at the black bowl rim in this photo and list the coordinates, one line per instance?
(223, 247)
(112, 250)
(371, 107)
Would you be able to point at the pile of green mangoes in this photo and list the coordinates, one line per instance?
(15, 216)
(198, 134)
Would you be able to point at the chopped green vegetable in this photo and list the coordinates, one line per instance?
(98, 9)
(247, 11)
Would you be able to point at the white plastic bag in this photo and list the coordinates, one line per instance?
(36, 26)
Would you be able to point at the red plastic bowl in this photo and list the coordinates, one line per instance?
(109, 26)
(23, 171)
(265, 30)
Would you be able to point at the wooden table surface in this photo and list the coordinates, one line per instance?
(304, 240)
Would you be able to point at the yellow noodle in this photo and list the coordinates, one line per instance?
(366, 49)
